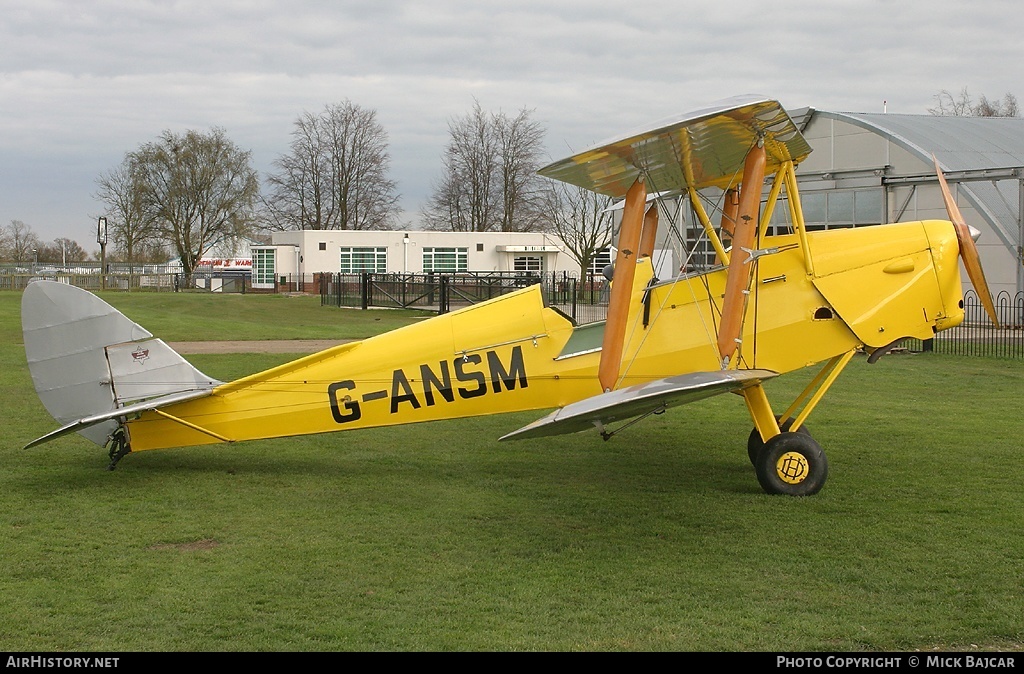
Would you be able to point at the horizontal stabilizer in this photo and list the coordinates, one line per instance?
(606, 408)
(130, 410)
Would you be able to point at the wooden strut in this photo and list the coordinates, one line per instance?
(740, 267)
(650, 232)
(730, 214)
(622, 285)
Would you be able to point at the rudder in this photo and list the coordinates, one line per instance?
(87, 359)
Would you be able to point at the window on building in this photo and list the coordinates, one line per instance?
(263, 267)
(528, 263)
(445, 259)
(868, 206)
(600, 261)
(831, 209)
(815, 207)
(781, 221)
(843, 208)
(699, 253)
(323, 245)
(353, 259)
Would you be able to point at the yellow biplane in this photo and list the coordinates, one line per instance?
(774, 304)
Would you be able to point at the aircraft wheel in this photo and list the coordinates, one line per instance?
(792, 464)
(755, 444)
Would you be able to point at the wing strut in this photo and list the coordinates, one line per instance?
(622, 285)
(650, 232)
(730, 213)
(740, 267)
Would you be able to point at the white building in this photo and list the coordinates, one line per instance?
(304, 253)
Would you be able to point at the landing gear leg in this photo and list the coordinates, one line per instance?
(755, 444)
(120, 446)
(787, 461)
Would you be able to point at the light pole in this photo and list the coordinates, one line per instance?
(101, 238)
(35, 260)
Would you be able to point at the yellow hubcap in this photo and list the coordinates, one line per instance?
(792, 468)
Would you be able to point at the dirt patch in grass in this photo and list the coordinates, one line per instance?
(204, 544)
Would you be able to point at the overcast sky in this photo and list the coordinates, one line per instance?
(85, 81)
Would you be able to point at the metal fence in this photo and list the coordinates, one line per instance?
(94, 281)
(977, 336)
(584, 302)
(226, 282)
(215, 282)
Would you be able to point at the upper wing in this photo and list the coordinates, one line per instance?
(699, 149)
(625, 403)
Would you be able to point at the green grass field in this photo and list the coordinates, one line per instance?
(435, 537)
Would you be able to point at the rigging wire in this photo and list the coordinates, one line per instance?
(710, 332)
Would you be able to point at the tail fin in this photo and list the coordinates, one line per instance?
(90, 364)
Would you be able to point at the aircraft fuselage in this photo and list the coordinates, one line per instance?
(862, 287)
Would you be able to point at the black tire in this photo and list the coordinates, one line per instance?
(792, 464)
(755, 444)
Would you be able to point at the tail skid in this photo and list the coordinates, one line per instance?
(92, 366)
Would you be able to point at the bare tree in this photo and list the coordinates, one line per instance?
(520, 140)
(1007, 107)
(200, 188)
(581, 219)
(299, 194)
(489, 181)
(130, 224)
(62, 251)
(19, 242)
(153, 251)
(335, 175)
(962, 105)
(948, 105)
(465, 200)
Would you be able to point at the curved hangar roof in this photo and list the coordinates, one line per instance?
(706, 147)
(699, 149)
(967, 144)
